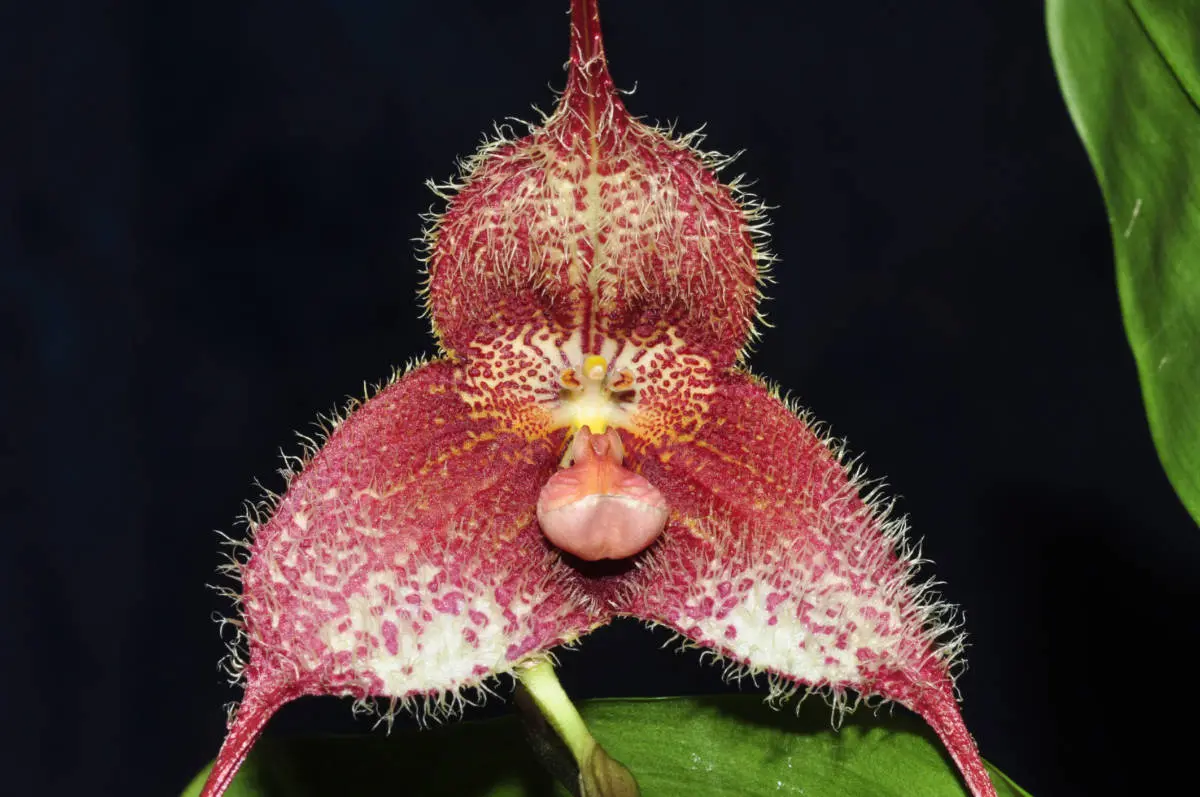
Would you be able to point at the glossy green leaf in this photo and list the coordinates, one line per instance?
(685, 747)
(1130, 72)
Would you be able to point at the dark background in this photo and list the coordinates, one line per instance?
(206, 220)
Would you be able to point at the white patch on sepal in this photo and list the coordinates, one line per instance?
(236, 553)
(806, 586)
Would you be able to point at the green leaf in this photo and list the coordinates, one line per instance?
(1130, 72)
(718, 745)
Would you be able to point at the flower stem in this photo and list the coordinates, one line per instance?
(543, 686)
(599, 774)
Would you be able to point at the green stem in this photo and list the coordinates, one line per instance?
(543, 686)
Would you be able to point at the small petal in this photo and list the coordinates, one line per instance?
(776, 561)
(405, 559)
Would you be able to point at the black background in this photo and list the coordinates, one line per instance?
(207, 220)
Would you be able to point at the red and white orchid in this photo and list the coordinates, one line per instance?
(592, 287)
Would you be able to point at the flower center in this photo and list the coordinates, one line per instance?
(591, 397)
(594, 507)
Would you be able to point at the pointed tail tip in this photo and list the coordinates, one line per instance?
(940, 710)
(257, 707)
(587, 41)
(588, 79)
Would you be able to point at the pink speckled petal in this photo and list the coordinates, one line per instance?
(404, 560)
(777, 562)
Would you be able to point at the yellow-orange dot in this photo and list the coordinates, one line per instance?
(595, 367)
(569, 380)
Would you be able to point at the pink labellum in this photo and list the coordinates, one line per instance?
(596, 509)
(593, 286)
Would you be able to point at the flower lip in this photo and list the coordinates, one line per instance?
(595, 508)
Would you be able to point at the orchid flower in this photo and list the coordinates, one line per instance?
(588, 445)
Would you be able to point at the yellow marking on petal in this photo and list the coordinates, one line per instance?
(511, 531)
(569, 380)
(534, 380)
(592, 404)
(436, 463)
(531, 424)
(595, 367)
(594, 412)
(696, 528)
(744, 463)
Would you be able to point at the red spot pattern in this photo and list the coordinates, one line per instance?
(760, 499)
(417, 529)
(595, 223)
(390, 637)
(391, 494)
